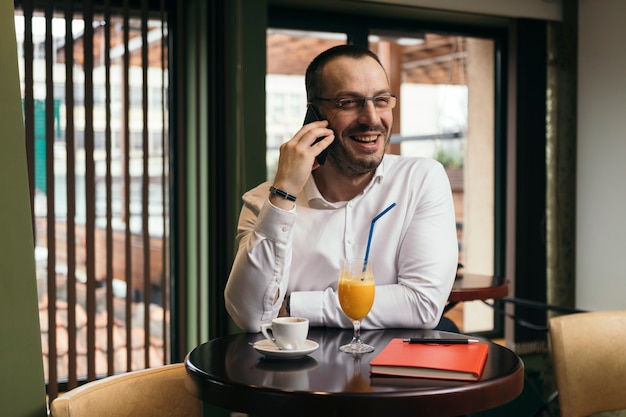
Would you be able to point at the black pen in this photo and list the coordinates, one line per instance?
(440, 341)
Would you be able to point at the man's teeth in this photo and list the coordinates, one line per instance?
(366, 139)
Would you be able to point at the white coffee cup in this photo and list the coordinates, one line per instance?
(287, 333)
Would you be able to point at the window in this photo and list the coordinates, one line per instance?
(96, 114)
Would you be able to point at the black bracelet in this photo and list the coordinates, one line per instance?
(284, 194)
(288, 305)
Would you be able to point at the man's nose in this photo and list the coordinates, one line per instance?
(368, 111)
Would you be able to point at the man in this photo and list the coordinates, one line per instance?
(294, 230)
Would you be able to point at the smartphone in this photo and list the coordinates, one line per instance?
(311, 116)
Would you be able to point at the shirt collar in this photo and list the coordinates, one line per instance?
(316, 199)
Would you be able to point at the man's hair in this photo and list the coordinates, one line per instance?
(313, 76)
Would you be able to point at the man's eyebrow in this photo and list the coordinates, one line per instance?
(355, 94)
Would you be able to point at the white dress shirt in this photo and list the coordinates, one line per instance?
(413, 253)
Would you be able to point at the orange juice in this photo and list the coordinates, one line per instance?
(356, 296)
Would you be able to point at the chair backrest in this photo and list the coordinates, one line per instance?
(151, 392)
(589, 353)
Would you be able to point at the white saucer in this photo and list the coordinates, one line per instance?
(270, 350)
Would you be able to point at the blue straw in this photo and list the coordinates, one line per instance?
(369, 239)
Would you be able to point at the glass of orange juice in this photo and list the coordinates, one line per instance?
(356, 290)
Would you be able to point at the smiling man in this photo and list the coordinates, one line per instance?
(294, 230)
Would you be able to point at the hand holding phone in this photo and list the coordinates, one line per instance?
(311, 116)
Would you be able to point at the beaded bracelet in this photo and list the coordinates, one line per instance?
(284, 194)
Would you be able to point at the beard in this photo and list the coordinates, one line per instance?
(350, 164)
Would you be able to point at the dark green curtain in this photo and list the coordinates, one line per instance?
(561, 157)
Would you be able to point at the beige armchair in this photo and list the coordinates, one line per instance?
(147, 393)
(589, 353)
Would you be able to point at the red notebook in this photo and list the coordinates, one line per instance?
(460, 362)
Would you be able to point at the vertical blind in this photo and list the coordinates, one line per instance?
(95, 97)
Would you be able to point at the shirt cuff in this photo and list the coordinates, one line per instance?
(276, 224)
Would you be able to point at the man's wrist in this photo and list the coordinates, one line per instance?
(282, 193)
(281, 199)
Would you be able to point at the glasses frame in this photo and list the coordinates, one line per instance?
(338, 102)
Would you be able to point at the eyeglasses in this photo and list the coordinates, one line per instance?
(382, 102)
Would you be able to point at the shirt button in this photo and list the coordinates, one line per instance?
(284, 228)
(349, 241)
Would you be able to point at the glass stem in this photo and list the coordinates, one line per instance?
(357, 330)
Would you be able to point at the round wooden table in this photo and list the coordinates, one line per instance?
(469, 287)
(472, 287)
(228, 372)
